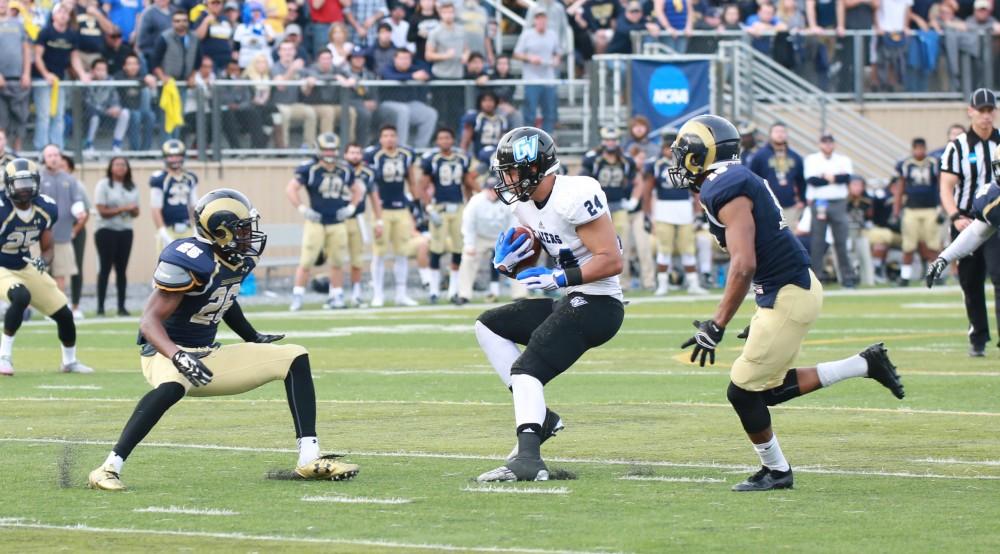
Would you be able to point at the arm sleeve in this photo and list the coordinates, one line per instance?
(968, 240)
(237, 321)
(156, 198)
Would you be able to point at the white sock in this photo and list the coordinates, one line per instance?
(529, 400)
(906, 272)
(116, 461)
(356, 290)
(378, 276)
(399, 270)
(6, 345)
(452, 283)
(308, 449)
(298, 291)
(68, 354)
(499, 351)
(691, 280)
(771, 456)
(495, 288)
(663, 280)
(425, 275)
(832, 372)
(435, 284)
(337, 292)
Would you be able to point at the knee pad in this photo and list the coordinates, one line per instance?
(750, 407)
(19, 296)
(435, 260)
(787, 390)
(456, 258)
(66, 329)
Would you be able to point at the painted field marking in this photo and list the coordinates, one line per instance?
(456, 456)
(185, 510)
(665, 479)
(69, 387)
(340, 499)
(516, 490)
(953, 461)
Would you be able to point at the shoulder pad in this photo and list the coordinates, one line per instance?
(172, 278)
(157, 177)
(191, 175)
(193, 255)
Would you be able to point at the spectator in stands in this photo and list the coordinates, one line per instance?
(952, 30)
(446, 50)
(115, 51)
(138, 100)
(710, 21)
(477, 25)
(92, 25)
(363, 16)
(539, 49)
(633, 18)
(980, 22)
(153, 22)
(178, 52)
(749, 145)
(786, 46)
(822, 19)
(731, 20)
(116, 199)
(424, 20)
(408, 104)
(782, 168)
(638, 135)
(675, 17)
(762, 26)
(893, 18)
(361, 99)
(260, 70)
(380, 55)
(281, 14)
(400, 27)
(597, 18)
(215, 32)
(255, 36)
(557, 20)
(505, 93)
(324, 96)
(124, 14)
(475, 69)
(239, 115)
(858, 16)
(288, 98)
(339, 47)
(204, 82)
(55, 52)
(103, 104)
(827, 175)
(293, 34)
(916, 187)
(15, 76)
(323, 14)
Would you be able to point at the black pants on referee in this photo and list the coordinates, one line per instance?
(972, 272)
(113, 250)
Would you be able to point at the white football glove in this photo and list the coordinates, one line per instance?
(310, 214)
(345, 213)
(164, 236)
(630, 204)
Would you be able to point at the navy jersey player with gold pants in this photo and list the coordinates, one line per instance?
(746, 219)
(26, 219)
(196, 283)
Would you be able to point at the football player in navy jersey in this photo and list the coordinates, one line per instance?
(26, 219)
(360, 226)
(448, 181)
(392, 165)
(746, 219)
(172, 195)
(334, 195)
(196, 284)
(483, 128)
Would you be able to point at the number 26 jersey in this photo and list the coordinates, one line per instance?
(574, 201)
(210, 286)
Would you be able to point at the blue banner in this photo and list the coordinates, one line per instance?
(670, 93)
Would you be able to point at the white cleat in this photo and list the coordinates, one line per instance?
(296, 304)
(661, 291)
(357, 302)
(378, 302)
(696, 290)
(76, 367)
(78, 315)
(406, 301)
(6, 366)
(336, 303)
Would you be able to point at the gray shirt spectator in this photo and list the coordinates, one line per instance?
(65, 190)
(15, 67)
(289, 94)
(543, 48)
(446, 48)
(152, 23)
(115, 195)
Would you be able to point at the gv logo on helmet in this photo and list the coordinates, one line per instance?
(526, 149)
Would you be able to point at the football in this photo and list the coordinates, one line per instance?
(536, 245)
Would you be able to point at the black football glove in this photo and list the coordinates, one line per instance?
(192, 368)
(709, 335)
(262, 338)
(745, 334)
(935, 270)
(38, 262)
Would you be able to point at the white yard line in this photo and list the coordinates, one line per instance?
(186, 511)
(953, 461)
(666, 479)
(340, 499)
(81, 528)
(69, 387)
(516, 490)
(457, 456)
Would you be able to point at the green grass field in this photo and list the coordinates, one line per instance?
(408, 395)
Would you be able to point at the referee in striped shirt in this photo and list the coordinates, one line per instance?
(965, 171)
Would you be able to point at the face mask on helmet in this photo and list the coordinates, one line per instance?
(22, 189)
(328, 156)
(517, 182)
(680, 175)
(243, 238)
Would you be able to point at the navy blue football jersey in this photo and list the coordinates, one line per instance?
(177, 192)
(366, 176)
(487, 130)
(329, 190)
(615, 177)
(447, 172)
(391, 172)
(664, 187)
(920, 182)
(211, 290)
(19, 232)
(984, 205)
(781, 258)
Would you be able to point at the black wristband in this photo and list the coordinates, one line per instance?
(956, 216)
(574, 276)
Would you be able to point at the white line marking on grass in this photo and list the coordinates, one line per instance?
(278, 538)
(457, 456)
(517, 490)
(184, 510)
(950, 461)
(666, 479)
(339, 499)
(69, 387)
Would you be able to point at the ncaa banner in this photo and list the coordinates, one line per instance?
(670, 93)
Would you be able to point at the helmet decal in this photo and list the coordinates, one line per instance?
(526, 149)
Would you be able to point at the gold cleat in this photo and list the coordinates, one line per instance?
(327, 468)
(105, 478)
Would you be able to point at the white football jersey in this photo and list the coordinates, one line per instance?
(574, 201)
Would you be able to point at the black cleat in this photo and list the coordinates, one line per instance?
(766, 480)
(976, 351)
(517, 469)
(552, 425)
(881, 369)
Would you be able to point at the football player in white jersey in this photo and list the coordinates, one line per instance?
(570, 217)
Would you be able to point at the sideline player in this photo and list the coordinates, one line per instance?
(196, 283)
(359, 227)
(334, 195)
(27, 218)
(570, 216)
(746, 219)
(172, 194)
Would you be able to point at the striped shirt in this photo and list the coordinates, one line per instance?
(970, 158)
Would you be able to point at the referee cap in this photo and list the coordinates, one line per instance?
(983, 98)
